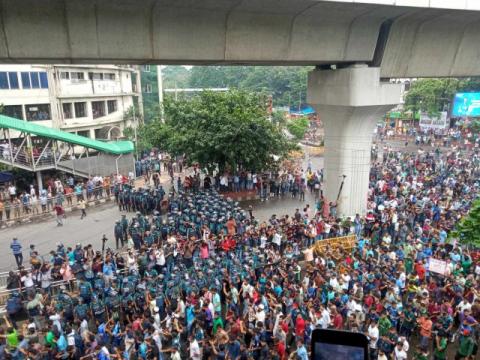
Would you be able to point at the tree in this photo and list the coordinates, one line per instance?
(467, 229)
(227, 130)
(431, 95)
(434, 95)
(279, 118)
(287, 84)
(298, 127)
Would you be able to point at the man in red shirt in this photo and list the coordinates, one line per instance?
(60, 213)
(337, 318)
(300, 327)
(420, 269)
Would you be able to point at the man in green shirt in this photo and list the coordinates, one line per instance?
(384, 324)
(217, 322)
(50, 338)
(440, 352)
(466, 346)
(12, 338)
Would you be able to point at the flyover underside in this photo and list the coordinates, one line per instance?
(417, 41)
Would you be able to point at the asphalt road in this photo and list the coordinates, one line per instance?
(44, 235)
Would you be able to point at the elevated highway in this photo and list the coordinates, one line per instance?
(408, 38)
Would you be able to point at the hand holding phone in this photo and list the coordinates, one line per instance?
(338, 345)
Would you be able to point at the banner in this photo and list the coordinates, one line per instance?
(343, 242)
(437, 266)
(440, 122)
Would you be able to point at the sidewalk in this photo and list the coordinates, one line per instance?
(38, 215)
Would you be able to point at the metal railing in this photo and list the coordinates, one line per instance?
(21, 212)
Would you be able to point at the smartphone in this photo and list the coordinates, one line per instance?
(338, 345)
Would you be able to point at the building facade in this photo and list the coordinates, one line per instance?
(149, 80)
(88, 100)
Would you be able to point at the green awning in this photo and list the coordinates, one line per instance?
(112, 147)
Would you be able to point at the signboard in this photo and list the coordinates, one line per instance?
(440, 122)
(466, 104)
(437, 266)
(343, 242)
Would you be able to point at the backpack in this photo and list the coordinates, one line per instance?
(84, 289)
(14, 305)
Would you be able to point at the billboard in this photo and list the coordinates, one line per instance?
(466, 104)
(438, 122)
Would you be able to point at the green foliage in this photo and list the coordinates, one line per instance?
(175, 76)
(287, 85)
(228, 130)
(431, 95)
(298, 127)
(279, 118)
(434, 95)
(475, 126)
(467, 229)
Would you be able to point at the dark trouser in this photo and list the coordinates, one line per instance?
(18, 259)
(188, 262)
(118, 241)
(83, 214)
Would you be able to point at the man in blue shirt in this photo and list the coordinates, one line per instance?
(301, 351)
(17, 251)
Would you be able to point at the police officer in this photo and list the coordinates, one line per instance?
(118, 232)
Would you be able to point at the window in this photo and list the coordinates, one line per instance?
(13, 79)
(80, 109)
(43, 80)
(112, 106)
(99, 134)
(109, 76)
(8, 80)
(146, 68)
(26, 80)
(14, 111)
(148, 88)
(67, 110)
(77, 76)
(38, 112)
(35, 80)
(95, 76)
(64, 75)
(98, 109)
(85, 133)
(3, 80)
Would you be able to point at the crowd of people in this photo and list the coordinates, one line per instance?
(207, 280)
(16, 203)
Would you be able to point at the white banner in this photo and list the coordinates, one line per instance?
(440, 122)
(437, 266)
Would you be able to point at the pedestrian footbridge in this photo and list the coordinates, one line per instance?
(35, 148)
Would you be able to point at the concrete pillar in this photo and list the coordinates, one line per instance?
(350, 101)
(39, 182)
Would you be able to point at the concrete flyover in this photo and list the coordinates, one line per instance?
(367, 41)
(409, 38)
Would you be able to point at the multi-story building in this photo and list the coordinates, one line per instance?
(150, 85)
(88, 100)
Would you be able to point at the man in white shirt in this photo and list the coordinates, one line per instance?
(324, 320)
(12, 190)
(195, 353)
(373, 334)
(399, 353)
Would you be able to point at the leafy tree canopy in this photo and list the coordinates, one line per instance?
(434, 95)
(467, 229)
(298, 127)
(228, 130)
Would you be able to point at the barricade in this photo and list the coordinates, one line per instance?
(338, 243)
